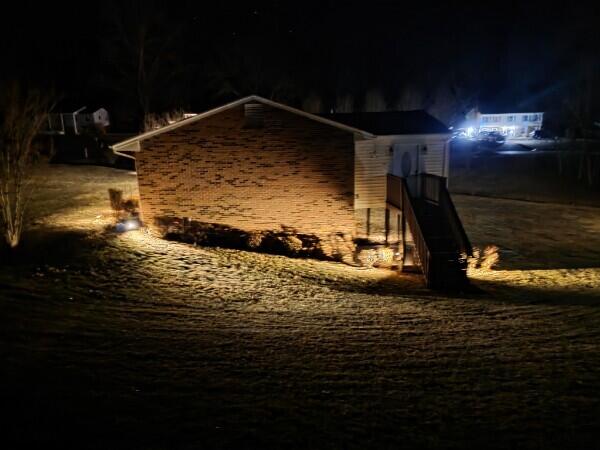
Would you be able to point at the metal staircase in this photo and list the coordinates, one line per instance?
(434, 240)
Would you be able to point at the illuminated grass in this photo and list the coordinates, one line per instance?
(136, 342)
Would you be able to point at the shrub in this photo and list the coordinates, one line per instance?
(131, 205)
(486, 259)
(121, 207)
(473, 262)
(255, 240)
(116, 200)
(490, 257)
(342, 247)
(291, 244)
(286, 242)
(367, 257)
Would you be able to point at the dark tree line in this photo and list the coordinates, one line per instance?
(137, 58)
(152, 60)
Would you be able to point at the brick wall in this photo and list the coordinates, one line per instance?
(293, 172)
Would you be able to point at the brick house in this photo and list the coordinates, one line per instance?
(256, 165)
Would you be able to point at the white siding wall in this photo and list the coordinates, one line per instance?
(372, 162)
(434, 158)
(370, 166)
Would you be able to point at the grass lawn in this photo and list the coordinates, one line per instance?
(129, 341)
(528, 176)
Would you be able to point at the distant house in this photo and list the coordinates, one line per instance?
(77, 122)
(512, 124)
(255, 164)
(78, 136)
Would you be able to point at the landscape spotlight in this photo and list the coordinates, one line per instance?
(132, 224)
(128, 225)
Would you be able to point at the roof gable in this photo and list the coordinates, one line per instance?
(132, 144)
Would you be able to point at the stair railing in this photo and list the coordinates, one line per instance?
(422, 249)
(401, 193)
(398, 195)
(394, 191)
(433, 189)
(456, 225)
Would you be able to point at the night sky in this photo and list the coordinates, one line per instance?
(443, 57)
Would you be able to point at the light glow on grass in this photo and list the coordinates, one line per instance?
(569, 281)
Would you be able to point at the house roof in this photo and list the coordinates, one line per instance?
(391, 122)
(132, 144)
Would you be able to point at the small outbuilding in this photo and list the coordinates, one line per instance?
(258, 165)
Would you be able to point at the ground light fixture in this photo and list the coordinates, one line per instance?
(128, 225)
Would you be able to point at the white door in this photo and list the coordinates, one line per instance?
(405, 160)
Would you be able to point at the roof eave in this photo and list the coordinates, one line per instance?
(147, 135)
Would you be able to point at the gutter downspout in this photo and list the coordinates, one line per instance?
(116, 152)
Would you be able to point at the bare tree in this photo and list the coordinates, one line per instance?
(375, 101)
(246, 67)
(313, 103)
(344, 103)
(411, 97)
(143, 54)
(580, 110)
(153, 121)
(22, 114)
(453, 98)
